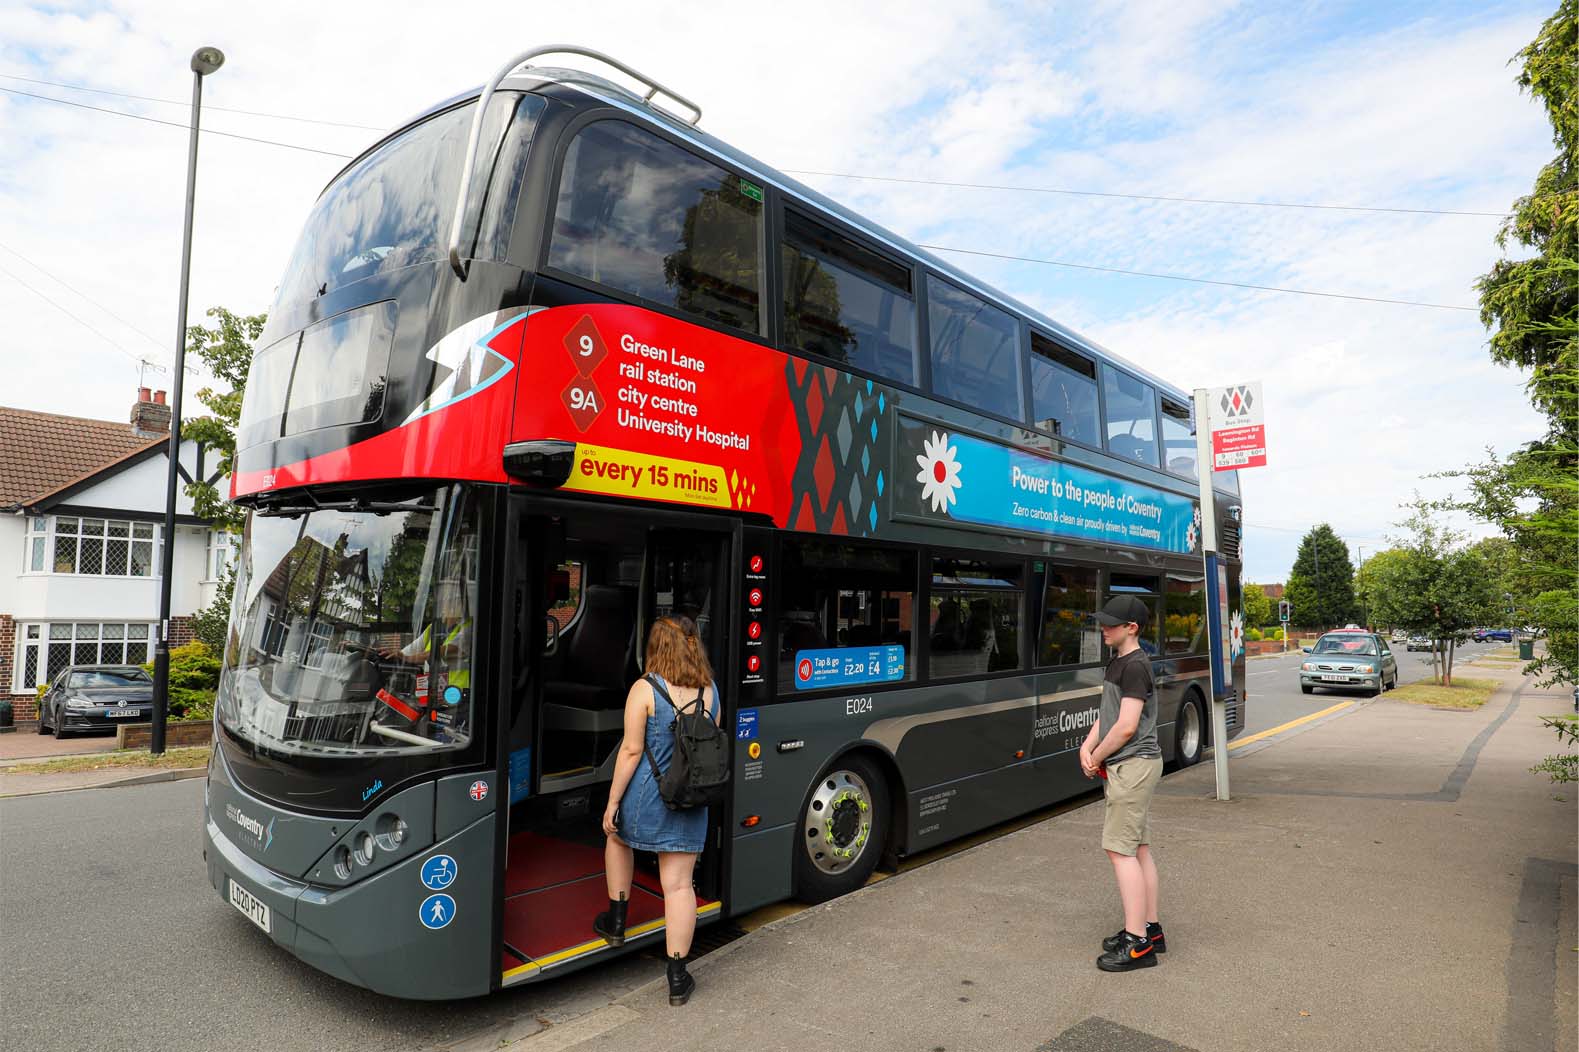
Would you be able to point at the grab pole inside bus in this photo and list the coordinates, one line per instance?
(1216, 593)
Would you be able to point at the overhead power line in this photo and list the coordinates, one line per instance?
(1148, 197)
(935, 248)
(1199, 281)
(174, 124)
(67, 313)
(183, 102)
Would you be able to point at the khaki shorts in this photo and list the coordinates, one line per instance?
(1126, 816)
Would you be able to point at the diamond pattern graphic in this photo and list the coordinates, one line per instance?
(586, 346)
(847, 442)
(582, 397)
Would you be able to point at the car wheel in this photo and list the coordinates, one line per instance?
(1305, 688)
(843, 828)
(1189, 733)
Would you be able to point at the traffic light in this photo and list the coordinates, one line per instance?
(1282, 610)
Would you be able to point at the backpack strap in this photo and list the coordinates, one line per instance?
(657, 689)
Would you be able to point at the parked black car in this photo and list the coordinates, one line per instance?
(96, 697)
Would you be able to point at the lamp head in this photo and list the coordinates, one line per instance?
(206, 60)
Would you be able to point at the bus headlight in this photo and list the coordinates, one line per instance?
(365, 849)
(392, 831)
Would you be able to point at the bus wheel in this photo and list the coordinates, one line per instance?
(1189, 732)
(842, 830)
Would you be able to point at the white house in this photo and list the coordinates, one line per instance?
(81, 523)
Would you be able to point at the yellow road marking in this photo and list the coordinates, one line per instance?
(1292, 723)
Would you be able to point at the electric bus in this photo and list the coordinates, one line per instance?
(550, 362)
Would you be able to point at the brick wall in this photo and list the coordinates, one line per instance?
(181, 632)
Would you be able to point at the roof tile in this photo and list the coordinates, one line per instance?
(41, 452)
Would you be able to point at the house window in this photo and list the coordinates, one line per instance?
(69, 544)
(45, 649)
(221, 554)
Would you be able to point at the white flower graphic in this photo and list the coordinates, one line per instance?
(1192, 532)
(939, 474)
(1236, 634)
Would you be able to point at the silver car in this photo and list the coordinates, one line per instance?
(1349, 659)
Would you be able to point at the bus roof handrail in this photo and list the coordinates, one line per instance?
(653, 89)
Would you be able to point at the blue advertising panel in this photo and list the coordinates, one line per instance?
(848, 666)
(971, 480)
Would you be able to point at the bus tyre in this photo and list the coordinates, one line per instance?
(1189, 732)
(843, 828)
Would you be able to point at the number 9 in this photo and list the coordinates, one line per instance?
(586, 346)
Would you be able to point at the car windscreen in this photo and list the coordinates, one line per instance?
(101, 680)
(1357, 647)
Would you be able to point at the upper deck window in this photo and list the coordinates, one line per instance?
(1178, 439)
(975, 351)
(393, 209)
(846, 302)
(641, 215)
(1131, 417)
(1064, 392)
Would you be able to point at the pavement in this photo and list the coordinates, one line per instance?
(25, 746)
(1393, 878)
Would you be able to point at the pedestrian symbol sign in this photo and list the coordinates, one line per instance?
(436, 911)
(439, 872)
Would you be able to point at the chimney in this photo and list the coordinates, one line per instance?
(150, 415)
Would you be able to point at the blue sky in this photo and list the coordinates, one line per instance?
(1396, 105)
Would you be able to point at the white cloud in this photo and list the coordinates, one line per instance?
(1198, 98)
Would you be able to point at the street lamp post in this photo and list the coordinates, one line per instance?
(205, 60)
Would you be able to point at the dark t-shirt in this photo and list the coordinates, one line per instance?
(1130, 677)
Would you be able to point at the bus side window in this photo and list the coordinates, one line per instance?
(645, 217)
(975, 351)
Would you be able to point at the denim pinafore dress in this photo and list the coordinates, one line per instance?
(645, 821)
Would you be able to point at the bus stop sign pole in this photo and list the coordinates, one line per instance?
(1216, 593)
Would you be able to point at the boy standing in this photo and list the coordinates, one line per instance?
(1122, 747)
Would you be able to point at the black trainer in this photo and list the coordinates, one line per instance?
(1135, 951)
(1153, 932)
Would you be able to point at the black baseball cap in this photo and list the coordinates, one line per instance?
(1121, 610)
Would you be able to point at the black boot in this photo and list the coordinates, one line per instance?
(611, 923)
(681, 984)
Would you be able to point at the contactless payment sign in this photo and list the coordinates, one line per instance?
(848, 666)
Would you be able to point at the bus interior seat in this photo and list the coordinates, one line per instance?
(978, 628)
(598, 652)
(587, 706)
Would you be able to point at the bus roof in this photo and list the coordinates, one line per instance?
(607, 91)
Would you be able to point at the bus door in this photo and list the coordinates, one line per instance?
(592, 582)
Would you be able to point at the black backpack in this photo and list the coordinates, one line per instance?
(699, 769)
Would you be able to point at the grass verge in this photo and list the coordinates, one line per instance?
(192, 756)
(1465, 693)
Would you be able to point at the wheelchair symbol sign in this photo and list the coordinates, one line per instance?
(439, 872)
(436, 911)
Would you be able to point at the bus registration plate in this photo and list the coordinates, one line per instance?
(248, 904)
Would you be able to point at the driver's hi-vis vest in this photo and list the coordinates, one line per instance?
(461, 675)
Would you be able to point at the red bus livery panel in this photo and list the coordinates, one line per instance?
(658, 409)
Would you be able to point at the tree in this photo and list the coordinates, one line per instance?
(227, 351)
(1301, 596)
(1368, 583)
(1532, 306)
(1435, 585)
(1323, 562)
(1259, 611)
(212, 623)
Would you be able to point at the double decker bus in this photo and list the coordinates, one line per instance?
(548, 363)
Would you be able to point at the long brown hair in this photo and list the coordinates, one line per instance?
(674, 651)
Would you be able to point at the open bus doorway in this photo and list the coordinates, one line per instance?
(589, 589)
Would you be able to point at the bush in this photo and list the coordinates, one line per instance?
(194, 679)
(1253, 635)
